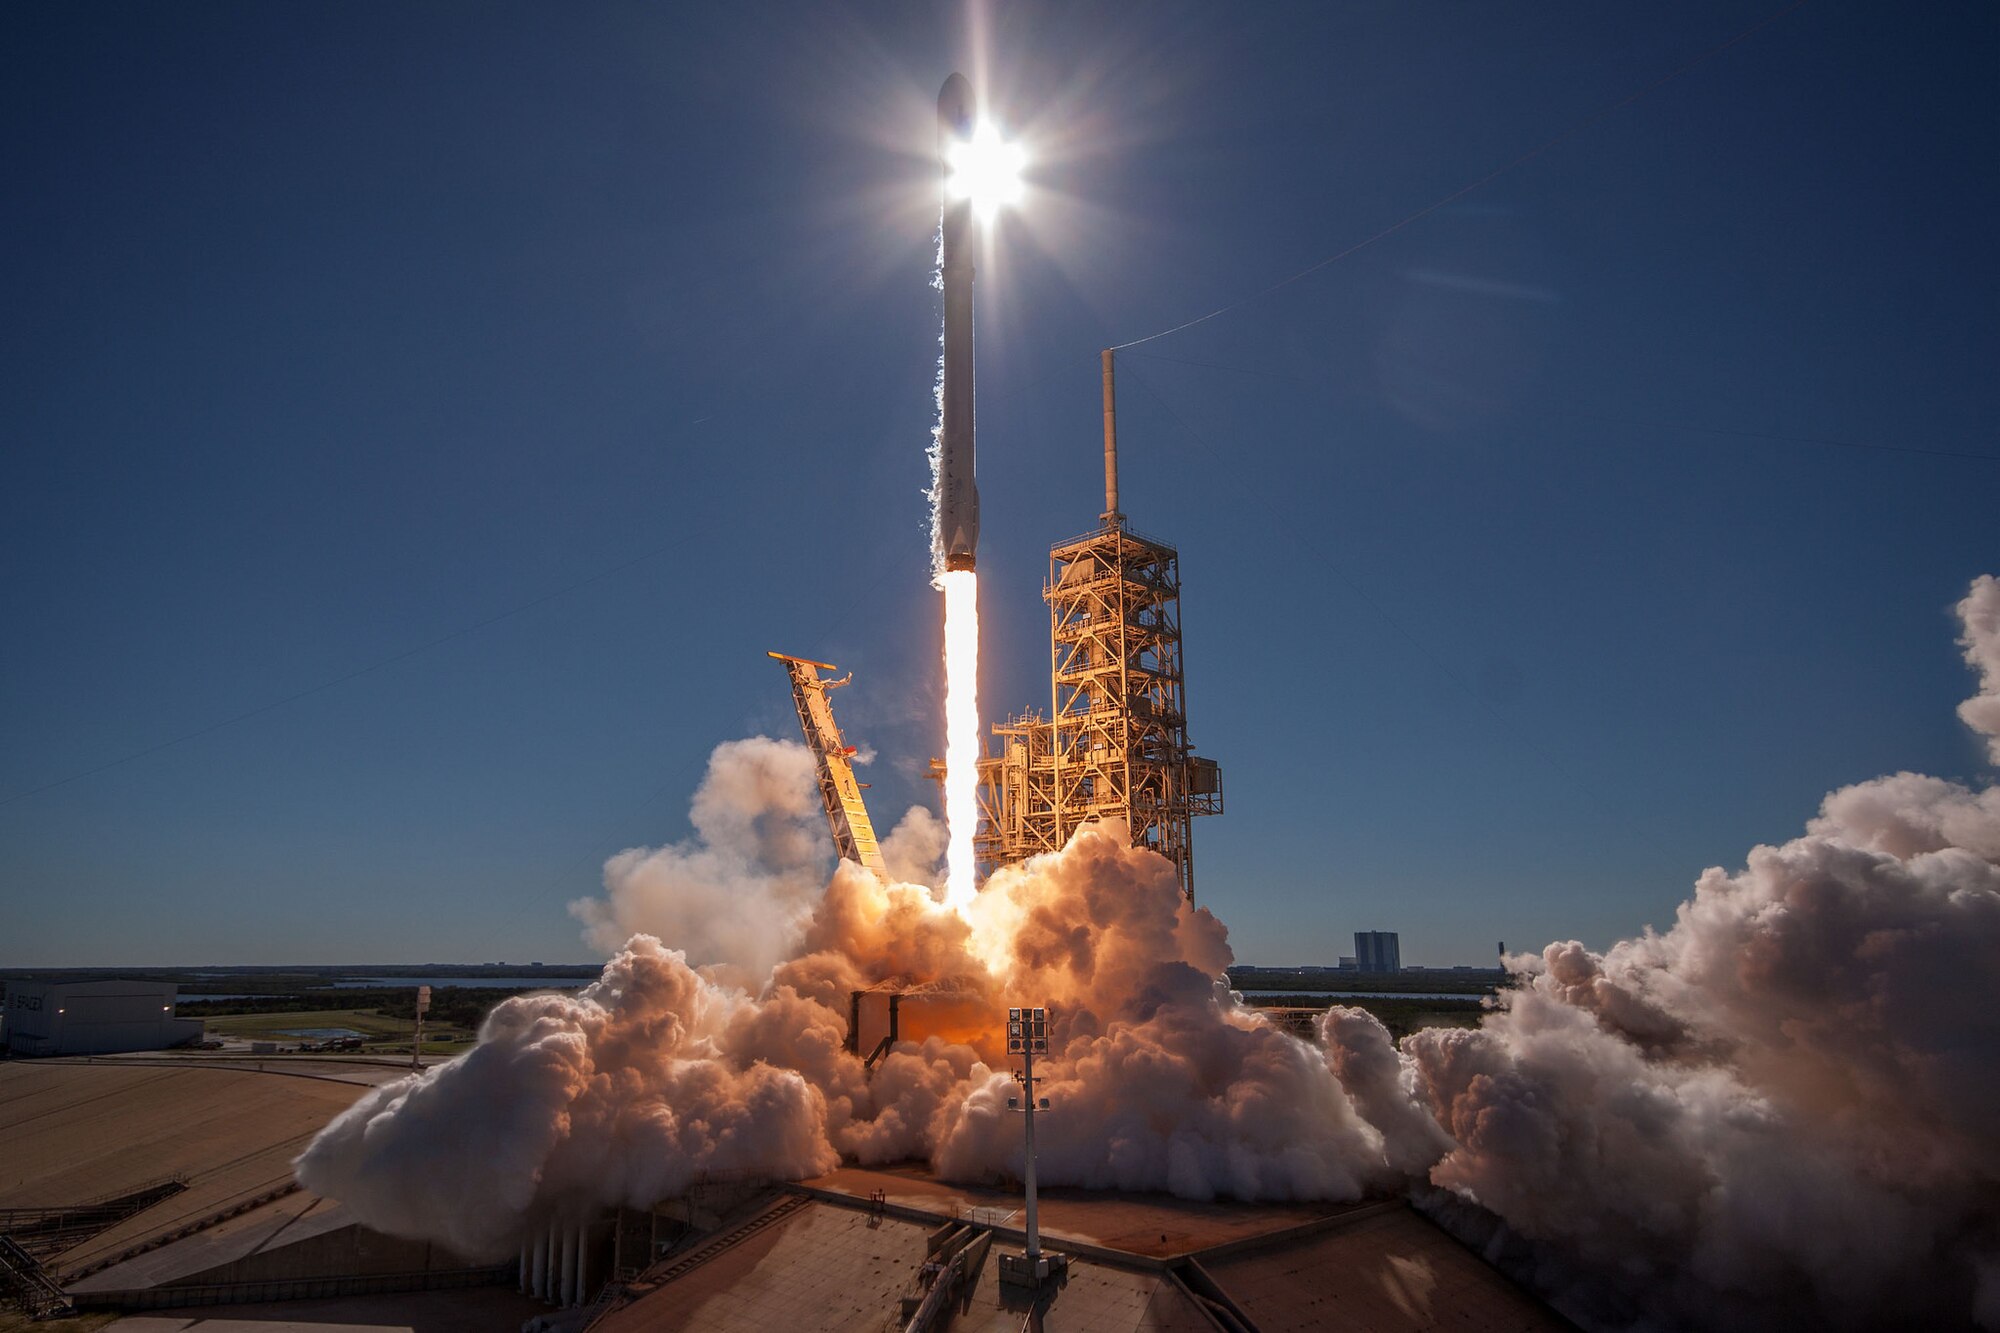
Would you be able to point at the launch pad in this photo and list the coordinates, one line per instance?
(842, 1250)
(1147, 1230)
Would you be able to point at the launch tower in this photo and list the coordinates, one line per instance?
(1115, 742)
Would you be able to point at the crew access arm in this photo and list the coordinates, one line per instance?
(839, 791)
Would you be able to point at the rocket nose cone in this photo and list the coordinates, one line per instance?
(955, 105)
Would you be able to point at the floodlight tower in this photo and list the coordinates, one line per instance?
(1027, 1037)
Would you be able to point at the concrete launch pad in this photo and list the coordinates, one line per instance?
(1149, 1229)
(78, 1131)
(840, 1252)
(203, 1149)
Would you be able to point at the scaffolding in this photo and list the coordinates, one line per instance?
(1115, 744)
(1017, 803)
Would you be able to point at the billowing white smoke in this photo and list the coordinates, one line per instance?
(914, 847)
(737, 893)
(628, 1090)
(620, 1094)
(1787, 1107)
(1980, 612)
(1782, 1110)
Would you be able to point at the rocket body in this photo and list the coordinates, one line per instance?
(957, 476)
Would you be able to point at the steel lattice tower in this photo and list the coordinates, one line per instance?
(1115, 744)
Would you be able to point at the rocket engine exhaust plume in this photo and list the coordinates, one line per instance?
(961, 722)
(1781, 1112)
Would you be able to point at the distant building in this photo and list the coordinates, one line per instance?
(1347, 963)
(1377, 951)
(94, 1017)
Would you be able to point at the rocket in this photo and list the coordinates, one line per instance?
(957, 480)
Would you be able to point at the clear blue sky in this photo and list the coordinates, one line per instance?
(332, 331)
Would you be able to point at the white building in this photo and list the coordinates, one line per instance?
(94, 1017)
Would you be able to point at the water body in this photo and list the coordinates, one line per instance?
(393, 983)
(474, 983)
(1359, 995)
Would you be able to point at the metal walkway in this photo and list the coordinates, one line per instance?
(701, 1254)
(49, 1231)
(30, 1284)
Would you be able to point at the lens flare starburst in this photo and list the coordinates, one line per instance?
(987, 170)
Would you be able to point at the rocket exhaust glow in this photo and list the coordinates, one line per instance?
(961, 724)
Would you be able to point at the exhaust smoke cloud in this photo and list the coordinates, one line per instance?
(624, 1092)
(961, 731)
(1980, 614)
(735, 896)
(1781, 1110)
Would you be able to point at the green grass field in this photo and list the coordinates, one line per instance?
(376, 1028)
(1400, 1015)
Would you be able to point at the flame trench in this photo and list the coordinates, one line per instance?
(961, 722)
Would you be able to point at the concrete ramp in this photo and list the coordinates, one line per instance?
(1392, 1269)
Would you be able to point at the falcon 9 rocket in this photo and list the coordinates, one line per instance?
(957, 481)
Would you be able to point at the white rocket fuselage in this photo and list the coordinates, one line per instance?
(957, 479)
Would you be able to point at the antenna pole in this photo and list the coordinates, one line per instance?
(1111, 515)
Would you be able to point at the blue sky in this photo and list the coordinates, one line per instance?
(474, 392)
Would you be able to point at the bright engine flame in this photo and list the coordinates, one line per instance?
(986, 170)
(961, 731)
